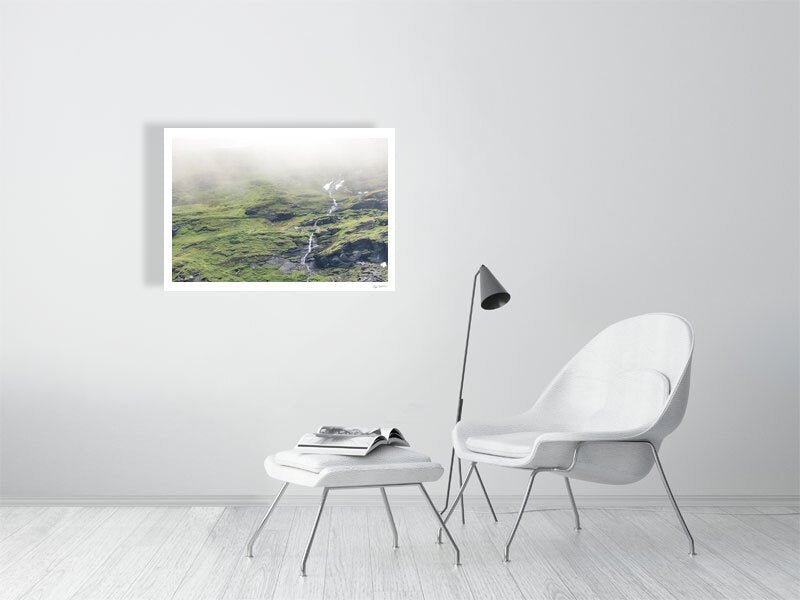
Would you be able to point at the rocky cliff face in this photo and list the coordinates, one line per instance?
(273, 211)
(350, 254)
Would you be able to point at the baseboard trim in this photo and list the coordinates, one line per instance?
(367, 499)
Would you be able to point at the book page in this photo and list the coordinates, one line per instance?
(360, 442)
(327, 430)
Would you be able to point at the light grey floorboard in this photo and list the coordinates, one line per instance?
(290, 585)
(114, 576)
(348, 566)
(161, 577)
(213, 566)
(12, 519)
(537, 576)
(394, 572)
(783, 534)
(566, 546)
(711, 572)
(45, 556)
(65, 578)
(16, 545)
(773, 565)
(605, 572)
(610, 553)
(781, 527)
(440, 580)
(659, 550)
(486, 574)
(255, 578)
(788, 515)
(93, 553)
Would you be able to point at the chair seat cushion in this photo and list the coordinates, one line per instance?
(387, 465)
(509, 445)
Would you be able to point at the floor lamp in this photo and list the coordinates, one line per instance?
(493, 295)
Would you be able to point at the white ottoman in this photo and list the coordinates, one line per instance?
(384, 467)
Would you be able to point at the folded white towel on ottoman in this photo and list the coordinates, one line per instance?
(386, 465)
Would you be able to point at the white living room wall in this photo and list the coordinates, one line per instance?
(603, 159)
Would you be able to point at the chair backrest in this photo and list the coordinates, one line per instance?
(633, 374)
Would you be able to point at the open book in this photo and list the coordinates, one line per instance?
(349, 441)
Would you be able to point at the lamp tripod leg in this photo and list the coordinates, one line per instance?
(449, 482)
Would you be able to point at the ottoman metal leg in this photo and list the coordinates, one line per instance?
(442, 523)
(257, 532)
(313, 531)
(391, 518)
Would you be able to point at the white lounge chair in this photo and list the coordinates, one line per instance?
(601, 419)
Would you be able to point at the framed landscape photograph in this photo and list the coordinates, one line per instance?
(278, 209)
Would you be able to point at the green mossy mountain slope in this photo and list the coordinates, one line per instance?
(258, 230)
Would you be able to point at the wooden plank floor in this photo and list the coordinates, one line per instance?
(160, 553)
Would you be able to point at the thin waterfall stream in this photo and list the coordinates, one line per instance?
(332, 186)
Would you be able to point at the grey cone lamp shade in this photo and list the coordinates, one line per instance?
(493, 294)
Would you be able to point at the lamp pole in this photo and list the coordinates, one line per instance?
(458, 416)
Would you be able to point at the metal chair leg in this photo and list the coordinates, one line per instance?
(391, 518)
(455, 502)
(519, 516)
(461, 482)
(672, 499)
(313, 531)
(257, 532)
(485, 495)
(442, 523)
(574, 507)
